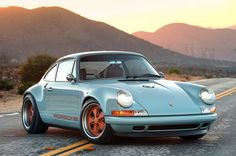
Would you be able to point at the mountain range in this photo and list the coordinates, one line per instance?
(58, 32)
(219, 44)
(232, 27)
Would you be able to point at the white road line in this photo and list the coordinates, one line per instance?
(10, 114)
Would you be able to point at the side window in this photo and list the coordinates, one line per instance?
(51, 74)
(93, 69)
(64, 69)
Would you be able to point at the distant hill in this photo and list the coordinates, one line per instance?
(194, 41)
(233, 27)
(58, 32)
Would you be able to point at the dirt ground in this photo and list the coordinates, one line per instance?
(11, 102)
(183, 77)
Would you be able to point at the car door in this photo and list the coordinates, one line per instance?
(48, 80)
(63, 97)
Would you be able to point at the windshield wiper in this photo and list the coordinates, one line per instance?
(143, 77)
(149, 75)
(134, 78)
(140, 76)
(131, 76)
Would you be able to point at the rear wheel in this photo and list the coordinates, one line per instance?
(93, 123)
(192, 137)
(30, 116)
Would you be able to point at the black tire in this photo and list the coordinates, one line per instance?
(107, 133)
(36, 125)
(192, 137)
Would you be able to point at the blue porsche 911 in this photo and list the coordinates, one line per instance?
(110, 93)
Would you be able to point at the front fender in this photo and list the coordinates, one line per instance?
(192, 90)
(107, 98)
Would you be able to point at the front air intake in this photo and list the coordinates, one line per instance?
(172, 127)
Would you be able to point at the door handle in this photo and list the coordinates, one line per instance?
(49, 89)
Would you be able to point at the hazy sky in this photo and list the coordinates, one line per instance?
(147, 15)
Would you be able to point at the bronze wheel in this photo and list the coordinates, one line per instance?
(28, 114)
(93, 121)
(31, 119)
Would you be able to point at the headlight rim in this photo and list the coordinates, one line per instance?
(122, 104)
(207, 90)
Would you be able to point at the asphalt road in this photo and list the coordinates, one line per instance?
(221, 140)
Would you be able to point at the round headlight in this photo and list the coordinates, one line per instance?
(207, 96)
(124, 98)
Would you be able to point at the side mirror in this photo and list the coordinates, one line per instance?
(162, 74)
(70, 78)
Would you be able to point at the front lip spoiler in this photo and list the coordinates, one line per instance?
(122, 80)
(161, 120)
(163, 133)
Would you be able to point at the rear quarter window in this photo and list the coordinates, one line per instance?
(50, 76)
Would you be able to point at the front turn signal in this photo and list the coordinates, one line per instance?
(213, 110)
(129, 113)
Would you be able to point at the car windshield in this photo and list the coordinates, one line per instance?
(115, 66)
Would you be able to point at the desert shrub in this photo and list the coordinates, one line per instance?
(33, 69)
(24, 86)
(174, 70)
(6, 85)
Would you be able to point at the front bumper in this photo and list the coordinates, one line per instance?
(166, 125)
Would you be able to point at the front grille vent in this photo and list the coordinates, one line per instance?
(205, 125)
(138, 128)
(173, 127)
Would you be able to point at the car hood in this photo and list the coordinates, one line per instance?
(159, 97)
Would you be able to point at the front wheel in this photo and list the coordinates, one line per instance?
(192, 137)
(93, 123)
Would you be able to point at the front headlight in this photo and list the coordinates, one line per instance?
(124, 98)
(207, 96)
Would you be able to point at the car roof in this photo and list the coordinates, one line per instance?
(91, 53)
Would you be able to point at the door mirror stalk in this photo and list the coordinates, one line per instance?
(71, 78)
